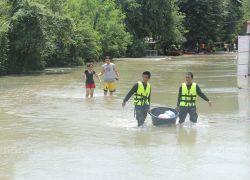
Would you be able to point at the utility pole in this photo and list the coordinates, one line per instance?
(243, 70)
(248, 33)
(243, 64)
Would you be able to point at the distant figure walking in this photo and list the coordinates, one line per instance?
(89, 80)
(142, 93)
(110, 76)
(187, 99)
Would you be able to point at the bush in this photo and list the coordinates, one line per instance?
(58, 32)
(3, 51)
(136, 49)
(86, 43)
(26, 39)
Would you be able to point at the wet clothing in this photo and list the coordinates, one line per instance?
(142, 94)
(198, 92)
(191, 107)
(141, 110)
(90, 86)
(109, 72)
(134, 90)
(188, 110)
(188, 96)
(109, 86)
(89, 77)
(141, 113)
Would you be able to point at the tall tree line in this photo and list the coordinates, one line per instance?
(209, 21)
(35, 34)
(39, 33)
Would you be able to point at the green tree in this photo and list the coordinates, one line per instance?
(110, 25)
(26, 39)
(233, 20)
(246, 16)
(87, 45)
(4, 16)
(38, 38)
(58, 32)
(55, 6)
(105, 20)
(246, 5)
(3, 50)
(159, 19)
(204, 20)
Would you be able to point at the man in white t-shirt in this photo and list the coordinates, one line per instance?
(110, 76)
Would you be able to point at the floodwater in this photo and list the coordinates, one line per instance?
(50, 131)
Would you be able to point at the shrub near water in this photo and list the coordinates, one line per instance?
(26, 40)
(3, 52)
(54, 33)
(35, 34)
(38, 38)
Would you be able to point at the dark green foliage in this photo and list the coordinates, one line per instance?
(26, 39)
(3, 52)
(233, 20)
(38, 38)
(209, 21)
(35, 34)
(86, 45)
(104, 21)
(136, 49)
(113, 36)
(4, 15)
(246, 15)
(60, 33)
(204, 20)
(158, 19)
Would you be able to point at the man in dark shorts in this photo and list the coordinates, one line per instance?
(142, 93)
(187, 99)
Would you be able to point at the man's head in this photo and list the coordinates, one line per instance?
(146, 76)
(107, 59)
(189, 77)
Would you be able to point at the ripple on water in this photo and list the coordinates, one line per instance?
(222, 90)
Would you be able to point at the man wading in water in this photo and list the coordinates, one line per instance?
(187, 98)
(142, 92)
(110, 76)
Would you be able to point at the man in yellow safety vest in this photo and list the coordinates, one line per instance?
(142, 93)
(187, 99)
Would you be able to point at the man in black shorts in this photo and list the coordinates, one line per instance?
(142, 93)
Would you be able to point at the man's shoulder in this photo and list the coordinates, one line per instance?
(182, 84)
(196, 84)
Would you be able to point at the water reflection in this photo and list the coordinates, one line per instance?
(186, 136)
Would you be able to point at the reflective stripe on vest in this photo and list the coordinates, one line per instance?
(188, 97)
(142, 95)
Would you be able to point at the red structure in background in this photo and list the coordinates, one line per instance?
(248, 27)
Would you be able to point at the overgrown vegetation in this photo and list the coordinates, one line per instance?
(35, 34)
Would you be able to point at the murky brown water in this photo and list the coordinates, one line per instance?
(48, 130)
